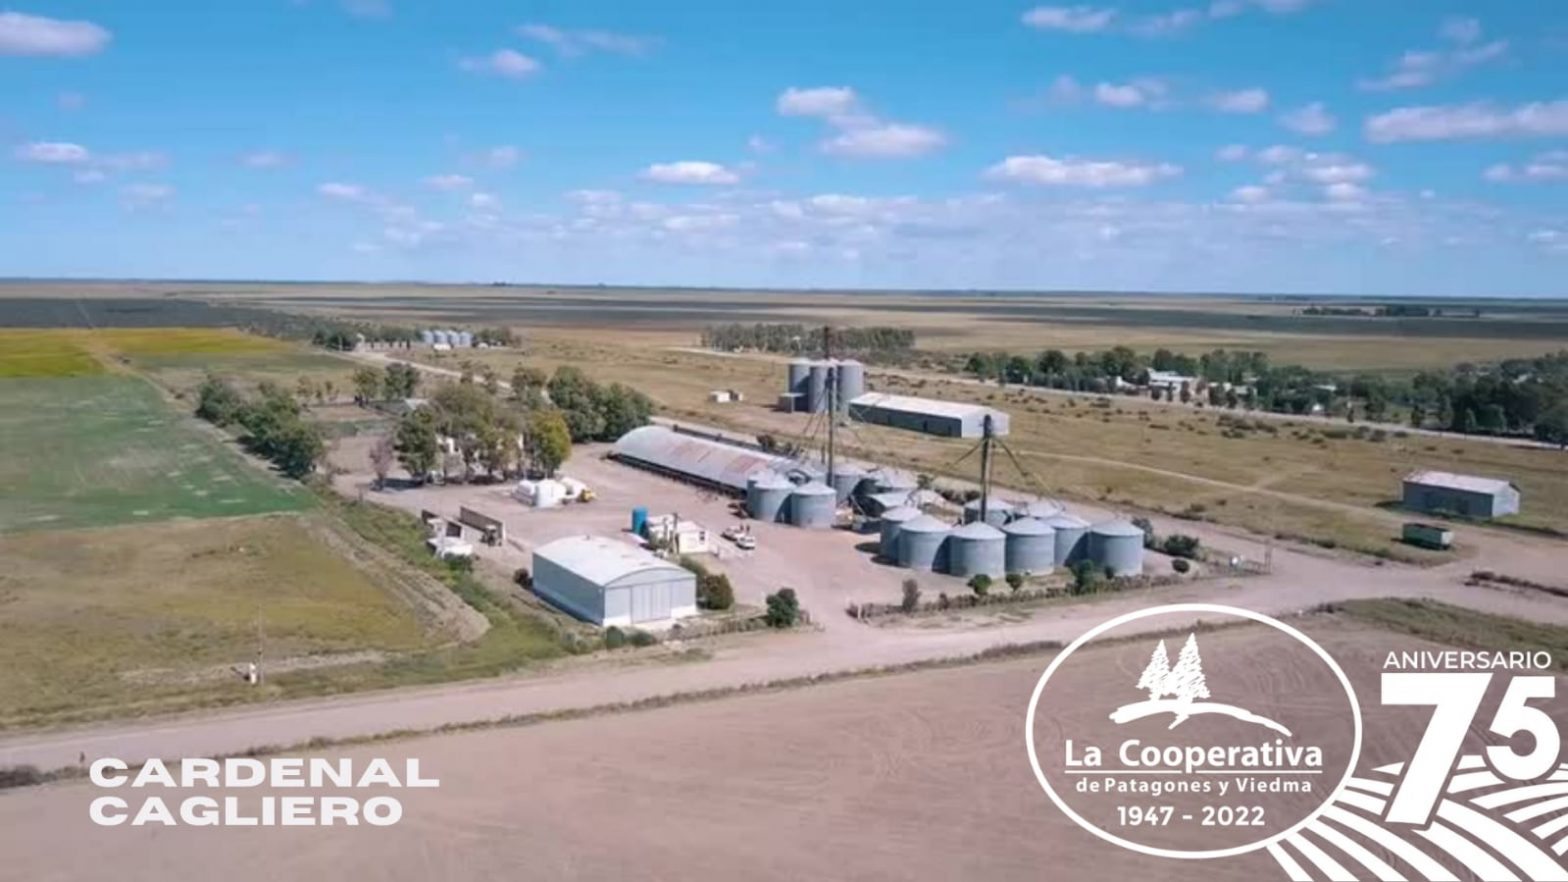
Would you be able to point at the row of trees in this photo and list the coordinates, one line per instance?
(872, 343)
(271, 423)
(1515, 397)
(398, 380)
(531, 429)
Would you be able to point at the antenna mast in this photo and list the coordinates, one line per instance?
(832, 390)
(985, 470)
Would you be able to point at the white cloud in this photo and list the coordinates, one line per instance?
(1251, 194)
(1332, 171)
(825, 101)
(505, 63)
(264, 159)
(1311, 120)
(1550, 166)
(147, 194)
(53, 153)
(689, 172)
(759, 144)
(504, 156)
(1074, 172)
(1240, 101)
(89, 176)
(699, 223)
(1136, 93)
(573, 43)
(1418, 67)
(484, 201)
(885, 140)
(1555, 241)
(1167, 24)
(1072, 19)
(138, 161)
(35, 35)
(1344, 191)
(860, 132)
(344, 192)
(449, 182)
(1469, 121)
(1233, 153)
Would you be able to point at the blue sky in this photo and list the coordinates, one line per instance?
(1410, 147)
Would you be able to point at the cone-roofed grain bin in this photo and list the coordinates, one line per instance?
(977, 549)
(1031, 546)
(813, 506)
(767, 496)
(893, 521)
(799, 371)
(997, 512)
(851, 381)
(922, 544)
(1072, 538)
(846, 480)
(1117, 545)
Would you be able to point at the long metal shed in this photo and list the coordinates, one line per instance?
(610, 582)
(945, 418)
(1468, 496)
(700, 460)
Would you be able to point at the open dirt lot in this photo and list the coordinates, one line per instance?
(914, 776)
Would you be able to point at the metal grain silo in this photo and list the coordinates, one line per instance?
(922, 544)
(846, 479)
(892, 480)
(1072, 538)
(1039, 509)
(1117, 546)
(851, 381)
(977, 549)
(893, 521)
(997, 512)
(817, 387)
(799, 370)
(813, 506)
(426, 337)
(440, 338)
(1031, 546)
(767, 496)
(464, 340)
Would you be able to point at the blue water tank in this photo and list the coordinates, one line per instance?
(640, 520)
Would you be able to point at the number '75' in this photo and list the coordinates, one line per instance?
(1455, 698)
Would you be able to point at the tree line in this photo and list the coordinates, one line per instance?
(1519, 397)
(871, 343)
(271, 423)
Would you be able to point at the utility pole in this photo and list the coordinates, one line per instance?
(832, 390)
(985, 469)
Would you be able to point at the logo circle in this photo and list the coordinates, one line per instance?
(1180, 608)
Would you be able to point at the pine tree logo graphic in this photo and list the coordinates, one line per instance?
(1182, 691)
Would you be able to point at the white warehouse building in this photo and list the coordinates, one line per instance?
(609, 582)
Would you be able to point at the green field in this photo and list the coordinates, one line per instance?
(103, 450)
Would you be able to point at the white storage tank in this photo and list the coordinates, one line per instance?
(922, 544)
(893, 521)
(426, 336)
(1031, 546)
(1118, 547)
(851, 381)
(846, 480)
(464, 340)
(816, 387)
(813, 506)
(767, 496)
(997, 512)
(440, 338)
(1072, 538)
(799, 371)
(977, 549)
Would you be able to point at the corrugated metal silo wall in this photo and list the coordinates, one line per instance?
(1121, 555)
(976, 556)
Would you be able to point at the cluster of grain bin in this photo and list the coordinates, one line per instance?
(813, 506)
(767, 496)
(846, 480)
(1031, 546)
(922, 544)
(1071, 537)
(443, 336)
(893, 521)
(1027, 537)
(809, 382)
(977, 549)
(997, 512)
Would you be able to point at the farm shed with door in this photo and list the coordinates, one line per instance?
(1467, 496)
(609, 582)
(945, 418)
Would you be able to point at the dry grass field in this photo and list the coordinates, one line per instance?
(136, 619)
(911, 776)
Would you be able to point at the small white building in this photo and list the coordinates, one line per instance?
(546, 493)
(610, 582)
(684, 536)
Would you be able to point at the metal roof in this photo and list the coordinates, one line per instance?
(815, 488)
(1028, 527)
(901, 513)
(924, 406)
(724, 464)
(1451, 481)
(976, 530)
(1065, 521)
(1116, 528)
(601, 560)
(926, 524)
